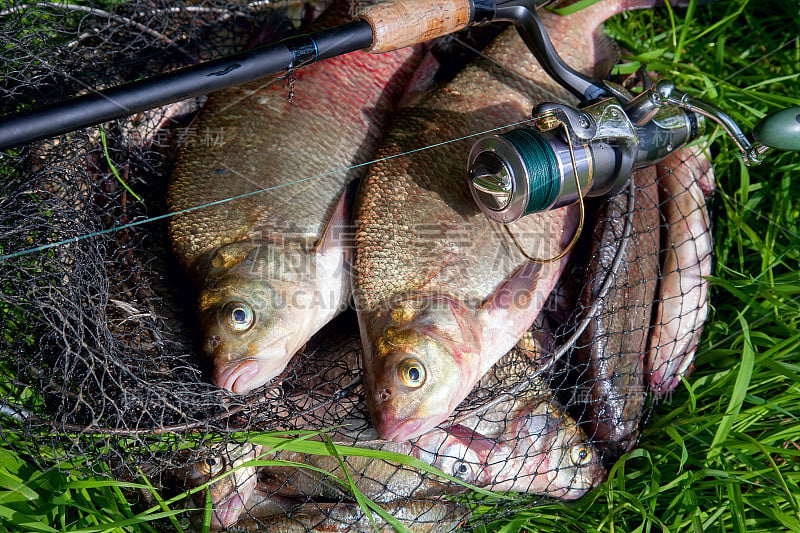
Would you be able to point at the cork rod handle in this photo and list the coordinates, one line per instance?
(402, 23)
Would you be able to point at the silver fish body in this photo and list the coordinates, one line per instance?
(420, 516)
(683, 299)
(537, 447)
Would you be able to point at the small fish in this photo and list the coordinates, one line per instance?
(234, 485)
(538, 448)
(270, 264)
(442, 292)
(420, 516)
(523, 443)
(550, 455)
(609, 355)
(683, 301)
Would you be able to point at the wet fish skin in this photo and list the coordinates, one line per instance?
(270, 267)
(541, 450)
(435, 335)
(537, 447)
(610, 353)
(683, 298)
(420, 516)
(380, 480)
(419, 235)
(555, 457)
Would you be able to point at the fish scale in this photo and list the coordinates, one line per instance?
(420, 236)
(422, 516)
(262, 214)
(262, 148)
(683, 300)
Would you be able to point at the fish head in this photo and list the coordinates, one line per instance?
(556, 456)
(231, 483)
(460, 452)
(420, 361)
(253, 317)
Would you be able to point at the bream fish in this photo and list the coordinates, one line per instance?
(609, 356)
(265, 244)
(442, 292)
(683, 178)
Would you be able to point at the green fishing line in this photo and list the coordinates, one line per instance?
(541, 165)
(7, 256)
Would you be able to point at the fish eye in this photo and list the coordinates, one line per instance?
(238, 316)
(411, 372)
(461, 470)
(581, 455)
(209, 466)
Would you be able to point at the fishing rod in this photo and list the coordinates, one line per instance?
(569, 152)
(378, 28)
(526, 170)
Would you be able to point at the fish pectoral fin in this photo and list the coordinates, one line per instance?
(518, 285)
(226, 257)
(512, 308)
(338, 229)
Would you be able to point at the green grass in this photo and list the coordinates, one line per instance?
(723, 453)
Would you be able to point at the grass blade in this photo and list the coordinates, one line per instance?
(738, 393)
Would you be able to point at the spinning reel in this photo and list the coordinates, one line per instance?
(590, 150)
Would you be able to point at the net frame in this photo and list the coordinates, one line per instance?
(101, 370)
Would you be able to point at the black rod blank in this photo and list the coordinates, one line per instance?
(188, 82)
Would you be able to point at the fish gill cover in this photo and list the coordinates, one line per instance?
(99, 362)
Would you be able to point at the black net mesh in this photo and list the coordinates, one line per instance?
(99, 363)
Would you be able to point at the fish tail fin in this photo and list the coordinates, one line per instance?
(606, 49)
(607, 54)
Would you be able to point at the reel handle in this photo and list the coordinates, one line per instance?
(780, 130)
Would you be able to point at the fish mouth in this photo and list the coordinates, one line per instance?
(598, 477)
(242, 377)
(391, 429)
(226, 513)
